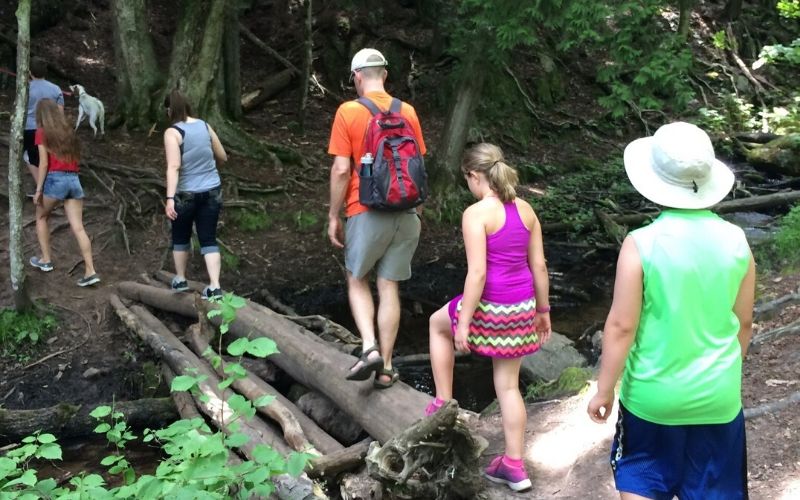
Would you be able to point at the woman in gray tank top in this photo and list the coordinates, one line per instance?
(194, 195)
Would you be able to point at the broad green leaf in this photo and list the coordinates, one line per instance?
(101, 411)
(183, 383)
(263, 400)
(226, 383)
(46, 438)
(101, 428)
(264, 454)
(213, 313)
(237, 440)
(50, 451)
(262, 347)
(109, 460)
(296, 463)
(238, 346)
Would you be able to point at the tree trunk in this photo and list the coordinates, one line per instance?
(310, 361)
(17, 272)
(231, 64)
(305, 71)
(454, 137)
(139, 75)
(732, 11)
(67, 420)
(268, 90)
(685, 7)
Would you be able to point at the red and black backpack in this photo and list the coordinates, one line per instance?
(396, 178)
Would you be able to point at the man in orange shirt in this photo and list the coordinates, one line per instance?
(371, 239)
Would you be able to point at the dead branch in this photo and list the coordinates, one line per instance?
(790, 329)
(266, 48)
(772, 407)
(768, 309)
(334, 463)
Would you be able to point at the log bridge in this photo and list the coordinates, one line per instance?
(404, 453)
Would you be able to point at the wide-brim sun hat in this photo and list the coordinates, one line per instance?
(676, 168)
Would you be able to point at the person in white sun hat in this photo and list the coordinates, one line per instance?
(678, 329)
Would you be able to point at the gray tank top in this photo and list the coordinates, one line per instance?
(198, 171)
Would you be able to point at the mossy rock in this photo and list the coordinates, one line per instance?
(572, 380)
(780, 156)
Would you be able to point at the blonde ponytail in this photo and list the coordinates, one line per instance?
(488, 159)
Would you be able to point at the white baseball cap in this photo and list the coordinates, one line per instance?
(367, 58)
(676, 168)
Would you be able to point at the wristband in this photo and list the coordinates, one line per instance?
(170, 197)
(543, 310)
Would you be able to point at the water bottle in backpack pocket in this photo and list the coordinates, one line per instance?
(391, 173)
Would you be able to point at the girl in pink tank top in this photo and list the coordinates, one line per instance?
(504, 312)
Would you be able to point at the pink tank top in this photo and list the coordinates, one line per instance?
(508, 276)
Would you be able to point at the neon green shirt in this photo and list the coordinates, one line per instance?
(685, 365)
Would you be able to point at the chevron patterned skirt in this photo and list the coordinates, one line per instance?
(499, 330)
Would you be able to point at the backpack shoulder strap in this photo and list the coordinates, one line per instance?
(180, 130)
(396, 105)
(369, 105)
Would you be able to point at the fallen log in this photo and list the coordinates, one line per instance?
(67, 420)
(183, 361)
(343, 460)
(269, 89)
(790, 329)
(779, 156)
(738, 205)
(310, 361)
(411, 461)
(768, 309)
(253, 388)
(772, 407)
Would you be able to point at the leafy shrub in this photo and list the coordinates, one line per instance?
(19, 331)
(196, 461)
(787, 240)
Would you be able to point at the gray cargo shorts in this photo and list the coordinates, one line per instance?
(382, 240)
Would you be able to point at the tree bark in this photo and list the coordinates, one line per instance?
(67, 420)
(343, 460)
(139, 72)
(286, 415)
(183, 362)
(22, 300)
(454, 137)
(310, 361)
(231, 63)
(685, 7)
(732, 11)
(305, 72)
(268, 90)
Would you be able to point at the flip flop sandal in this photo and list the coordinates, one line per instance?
(367, 366)
(391, 373)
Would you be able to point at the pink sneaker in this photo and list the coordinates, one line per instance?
(433, 407)
(515, 477)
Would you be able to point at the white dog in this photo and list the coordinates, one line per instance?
(91, 107)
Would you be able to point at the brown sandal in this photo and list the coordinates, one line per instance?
(367, 366)
(383, 372)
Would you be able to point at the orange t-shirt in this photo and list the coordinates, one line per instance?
(347, 138)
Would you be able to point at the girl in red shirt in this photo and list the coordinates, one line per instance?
(59, 154)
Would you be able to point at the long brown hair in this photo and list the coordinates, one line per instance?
(59, 138)
(488, 159)
(178, 108)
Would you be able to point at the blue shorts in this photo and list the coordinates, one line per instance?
(702, 462)
(62, 186)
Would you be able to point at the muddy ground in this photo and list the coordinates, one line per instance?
(567, 454)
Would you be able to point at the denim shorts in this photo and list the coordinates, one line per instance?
(201, 210)
(63, 186)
